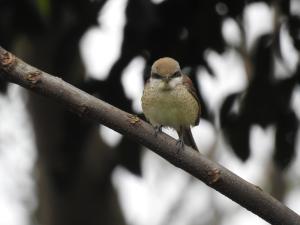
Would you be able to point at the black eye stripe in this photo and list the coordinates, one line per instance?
(156, 76)
(176, 74)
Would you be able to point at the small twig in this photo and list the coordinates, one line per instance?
(214, 175)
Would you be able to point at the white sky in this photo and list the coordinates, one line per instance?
(17, 158)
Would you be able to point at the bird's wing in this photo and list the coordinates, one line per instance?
(187, 82)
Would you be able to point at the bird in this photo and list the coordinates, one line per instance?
(170, 100)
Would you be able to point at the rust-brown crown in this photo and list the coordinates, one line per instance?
(165, 66)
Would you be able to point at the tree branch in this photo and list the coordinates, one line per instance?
(214, 175)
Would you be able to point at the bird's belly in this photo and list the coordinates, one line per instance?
(173, 108)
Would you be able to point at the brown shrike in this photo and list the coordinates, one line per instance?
(170, 100)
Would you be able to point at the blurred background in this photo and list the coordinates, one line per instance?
(59, 169)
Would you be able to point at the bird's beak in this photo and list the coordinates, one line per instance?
(167, 79)
(164, 85)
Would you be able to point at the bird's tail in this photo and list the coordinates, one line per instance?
(188, 139)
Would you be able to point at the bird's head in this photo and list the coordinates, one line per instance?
(166, 71)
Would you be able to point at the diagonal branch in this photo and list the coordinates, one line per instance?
(214, 175)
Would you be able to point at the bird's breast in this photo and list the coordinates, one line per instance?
(173, 108)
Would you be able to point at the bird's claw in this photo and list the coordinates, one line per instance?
(180, 145)
(157, 129)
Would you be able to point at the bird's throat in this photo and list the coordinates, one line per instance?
(164, 86)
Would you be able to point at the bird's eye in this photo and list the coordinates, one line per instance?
(156, 76)
(176, 74)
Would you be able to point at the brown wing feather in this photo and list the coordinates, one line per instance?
(187, 82)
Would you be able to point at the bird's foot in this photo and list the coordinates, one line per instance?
(157, 129)
(180, 145)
